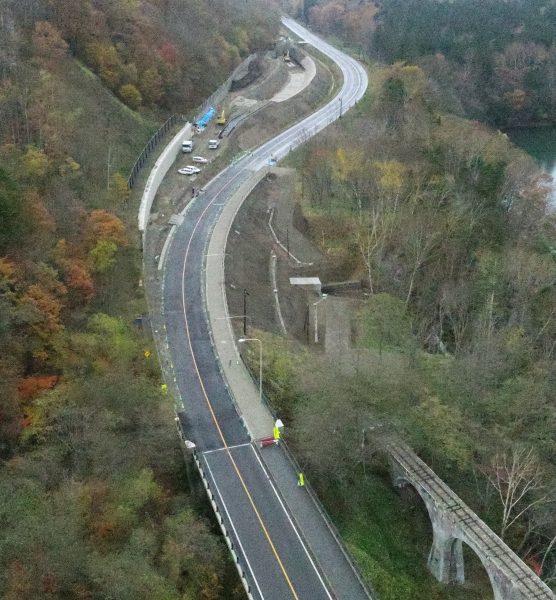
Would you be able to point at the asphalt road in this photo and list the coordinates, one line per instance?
(271, 547)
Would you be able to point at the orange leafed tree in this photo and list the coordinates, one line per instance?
(7, 270)
(31, 387)
(78, 280)
(48, 307)
(38, 213)
(75, 272)
(104, 226)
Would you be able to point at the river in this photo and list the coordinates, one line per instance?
(540, 143)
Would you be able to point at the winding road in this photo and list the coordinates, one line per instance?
(273, 541)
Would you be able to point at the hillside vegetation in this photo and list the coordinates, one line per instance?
(488, 59)
(94, 501)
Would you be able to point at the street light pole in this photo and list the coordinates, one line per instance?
(232, 317)
(324, 296)
(368, 428)
(241, 341)
(341, 106)
(245, 294)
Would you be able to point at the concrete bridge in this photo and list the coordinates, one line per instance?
(453, 522)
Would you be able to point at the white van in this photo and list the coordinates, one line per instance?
(187, 146)
(213, 144)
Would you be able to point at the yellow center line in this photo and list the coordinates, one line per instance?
(214, 418)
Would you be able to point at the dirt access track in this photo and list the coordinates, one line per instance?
(250, 266)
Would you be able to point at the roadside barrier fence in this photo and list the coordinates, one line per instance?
(150, 146)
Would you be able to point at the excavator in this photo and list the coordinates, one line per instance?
(221, 120)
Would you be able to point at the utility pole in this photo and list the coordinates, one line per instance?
(341, 106)
(245, 294)
(108, 168)
(288, 241)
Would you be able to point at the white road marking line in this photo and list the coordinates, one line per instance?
(223, 449)
(291, 522)
(235, 531)
(165, 247)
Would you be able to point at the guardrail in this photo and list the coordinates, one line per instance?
(225, 533)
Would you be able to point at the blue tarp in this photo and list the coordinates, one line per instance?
(205, 119)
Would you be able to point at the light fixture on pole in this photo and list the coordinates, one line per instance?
(241, 341)
(324, 296)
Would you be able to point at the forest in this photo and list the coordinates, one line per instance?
(487, 59)
(94, 498)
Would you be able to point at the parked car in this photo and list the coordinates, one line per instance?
(200, 159)
(213, 144)
(190, 170)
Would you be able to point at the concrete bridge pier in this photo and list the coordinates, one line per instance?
(446, 555)
(502, 586)
(451, 528)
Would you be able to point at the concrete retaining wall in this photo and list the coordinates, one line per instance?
(158, 172)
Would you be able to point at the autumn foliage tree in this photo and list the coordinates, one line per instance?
(48, 44)
(90, 478)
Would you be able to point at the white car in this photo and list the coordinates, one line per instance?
(199, 159)
(213, 144)
(190, 170)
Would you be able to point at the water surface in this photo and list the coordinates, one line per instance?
(540, 143)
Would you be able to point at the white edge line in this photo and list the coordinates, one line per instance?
(291, 523)
(234, 529)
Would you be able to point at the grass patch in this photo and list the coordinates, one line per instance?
(94, 123)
